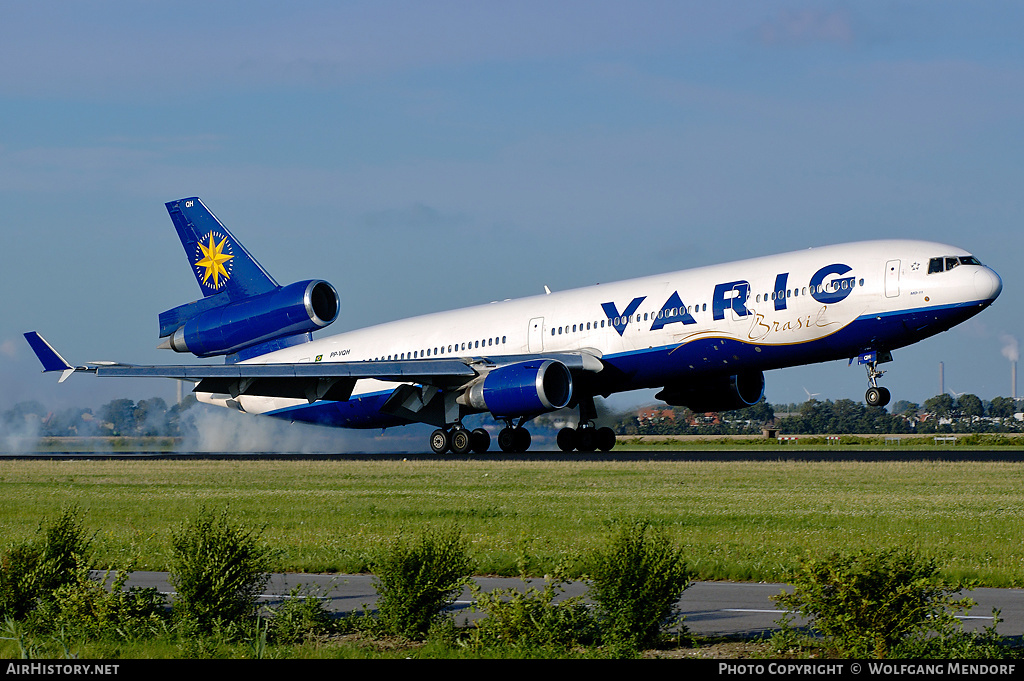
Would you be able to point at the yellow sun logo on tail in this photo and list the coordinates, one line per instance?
(215, 259)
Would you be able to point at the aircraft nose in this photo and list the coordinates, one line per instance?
(987, 284)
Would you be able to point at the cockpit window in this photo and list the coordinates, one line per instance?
(949, 262)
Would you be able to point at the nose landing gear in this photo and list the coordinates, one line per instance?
(876, 396)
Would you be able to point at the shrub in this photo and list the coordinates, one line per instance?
(33, 571)
(217, 569)
(300, 616)
(416, 581)
(956, 644)
(867, 603)
(531, 619)
(636, 582)
(86, 608)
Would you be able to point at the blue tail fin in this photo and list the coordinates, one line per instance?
(219, 261)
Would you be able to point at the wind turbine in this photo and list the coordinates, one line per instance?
(810, 395)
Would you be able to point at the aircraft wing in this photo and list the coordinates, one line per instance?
(308, 380)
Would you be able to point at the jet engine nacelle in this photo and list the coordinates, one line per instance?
(301, 307)
(522, 389)
(720, 394)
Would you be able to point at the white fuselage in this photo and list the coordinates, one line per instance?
(782, 310)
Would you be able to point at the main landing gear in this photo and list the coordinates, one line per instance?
(587, 437)
(459, 440)
(514, 438)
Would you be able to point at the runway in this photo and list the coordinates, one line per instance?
(735, 609)
(781, 453)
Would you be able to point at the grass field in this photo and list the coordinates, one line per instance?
(741, 520)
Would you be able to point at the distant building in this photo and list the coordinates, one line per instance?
(655, 415)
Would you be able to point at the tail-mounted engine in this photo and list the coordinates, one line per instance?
(215, 326)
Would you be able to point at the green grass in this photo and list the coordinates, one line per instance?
(735, 520)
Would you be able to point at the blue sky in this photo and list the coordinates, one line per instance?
(423, 156)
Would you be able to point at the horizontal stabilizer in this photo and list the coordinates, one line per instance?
(50, 358)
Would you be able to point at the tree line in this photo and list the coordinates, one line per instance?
(118, 418)
(966, 413)
(939, 414)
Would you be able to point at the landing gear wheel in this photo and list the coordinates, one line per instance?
(877, 397)
(480, 440)
(439, 441)
(505, 439)
(521, 439)
(586, 439)
(514, 439)
(604, 438)
(461, 441)
(567, 439)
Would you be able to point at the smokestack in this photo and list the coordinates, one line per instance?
(1011, 351)
(942, 379)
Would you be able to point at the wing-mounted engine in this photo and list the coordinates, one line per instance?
(218, 326)
(724, 393)
(522, 389)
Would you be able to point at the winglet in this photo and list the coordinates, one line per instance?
(50, 358)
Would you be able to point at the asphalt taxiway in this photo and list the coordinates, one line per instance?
(736, 609)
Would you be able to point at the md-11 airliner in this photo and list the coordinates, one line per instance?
(704, 337)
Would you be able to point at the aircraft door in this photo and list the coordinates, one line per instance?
(536, 335)
(892, 279)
